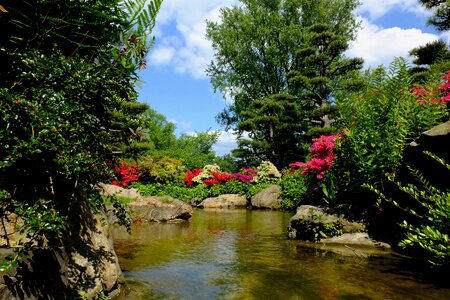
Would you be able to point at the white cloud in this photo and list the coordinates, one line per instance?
(225, 143)
(162, 56)
(192, 52)
(378, 46)
(378, 8)
(181, 30)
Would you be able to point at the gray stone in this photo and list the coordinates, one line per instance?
(83, 268)
(225, 201)
(437, 141)
(268, 198)
(159, 209)
(314, 224)
(111, 189)
(356, 238)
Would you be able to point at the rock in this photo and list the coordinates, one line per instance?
(312, 223)
(110, 190)
(437, 141)
(159, 209)
(268, 198)
(84, 267)
(356, 238)
(225, 201)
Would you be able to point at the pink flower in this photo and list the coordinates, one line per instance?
(322, 157)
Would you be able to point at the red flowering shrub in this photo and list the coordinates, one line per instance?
(246, 175)
(191, 175)
(126, 174)
(427, 95)
(322, 157)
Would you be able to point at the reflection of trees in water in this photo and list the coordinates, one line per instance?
(244, 254)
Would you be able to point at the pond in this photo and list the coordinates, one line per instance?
(244, 254)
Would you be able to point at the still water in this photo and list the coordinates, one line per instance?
(244, 254)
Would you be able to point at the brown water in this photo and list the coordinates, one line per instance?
(244, 254)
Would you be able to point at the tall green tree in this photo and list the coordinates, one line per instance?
(319, 73)
(68, 72)
(255, 47)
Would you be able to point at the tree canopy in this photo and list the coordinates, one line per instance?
(258, 44)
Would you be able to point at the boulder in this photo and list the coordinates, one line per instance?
(355, 238)
(84, 267)
(312, 223)
(268, 198)
(225, 201)
(437, 141)
(159, 209)
(110, 190)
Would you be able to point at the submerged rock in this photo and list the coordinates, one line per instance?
(225, 201)
(159, 209)
(268, 198)
(312, 223)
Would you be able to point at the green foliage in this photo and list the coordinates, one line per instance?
(431, 55)
(428, 226)
(197, 193)
(68, 107)
(158, 131)
(320, 70)
(441, 13)
(381, 121)
(153, 169)
(273, 126)
(194, 151)
(293, 189)
(314, 229)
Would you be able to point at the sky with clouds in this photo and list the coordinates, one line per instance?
(175, 84)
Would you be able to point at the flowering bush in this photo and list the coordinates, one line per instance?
(191, 175)
(267, 171)
(126, 174)
(322, 157)
(211, 175)
(428, 94)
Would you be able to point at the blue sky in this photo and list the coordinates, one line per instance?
(175, 83)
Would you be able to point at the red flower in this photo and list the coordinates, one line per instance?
(126, 174)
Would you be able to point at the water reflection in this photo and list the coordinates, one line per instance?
(243, 254)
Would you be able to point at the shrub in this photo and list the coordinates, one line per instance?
(266, 171)
(381, 121)
(428, 230)
(293, 189)
(155, 169)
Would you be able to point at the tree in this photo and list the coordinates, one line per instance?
(158, 131)
(67, 85)
(255, 47)
(441, 13)
(319, 70)
(425, 56)
(436, 52)
(195, 151)
(273, 129)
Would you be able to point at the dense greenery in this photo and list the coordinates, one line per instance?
(429, 215)
(67, 87)
(380, 122)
